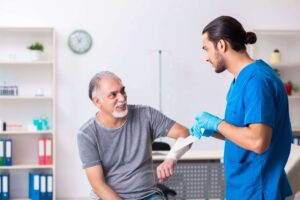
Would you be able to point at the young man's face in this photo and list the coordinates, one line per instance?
(112, 98)
(212, 54)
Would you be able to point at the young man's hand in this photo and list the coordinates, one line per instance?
(206, 125)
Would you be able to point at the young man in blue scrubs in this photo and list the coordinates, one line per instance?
(256, 127)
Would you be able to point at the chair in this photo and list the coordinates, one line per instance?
(160, 146)
(292, 169)
(167, 192)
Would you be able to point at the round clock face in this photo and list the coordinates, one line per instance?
(80, 41)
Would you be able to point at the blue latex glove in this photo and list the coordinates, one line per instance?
(197, 131)
(207, 121)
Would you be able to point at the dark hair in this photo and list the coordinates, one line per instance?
(229, 29)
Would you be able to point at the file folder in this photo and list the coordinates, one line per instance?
(43, 184)
(8, 152)
(48, 159)
(1, 152)
(0, 186)
(5, 187)
(41, 151)
(34, 186)
(49, 193)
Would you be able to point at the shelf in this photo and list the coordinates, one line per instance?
(17, 67)
(294, 97)
(286, 66)
(27, 63)
(27, 167)
(277, 32)
(26, 29)
(20, 199)
(26, 132)
(26, 98)
(296, 129)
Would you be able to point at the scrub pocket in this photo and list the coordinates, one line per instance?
(243, 179)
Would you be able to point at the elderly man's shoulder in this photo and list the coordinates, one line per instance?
(89, 126)
(140, 107)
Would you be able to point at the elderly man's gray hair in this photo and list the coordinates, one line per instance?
(94, 86)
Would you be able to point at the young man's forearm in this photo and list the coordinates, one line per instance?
(254, 137)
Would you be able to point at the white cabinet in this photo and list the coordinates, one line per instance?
(35, 80)
(288, 44)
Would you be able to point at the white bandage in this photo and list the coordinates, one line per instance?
(176, 153)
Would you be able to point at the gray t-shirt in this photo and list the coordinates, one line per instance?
(125, 153)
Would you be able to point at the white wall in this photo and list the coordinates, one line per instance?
(125, 35)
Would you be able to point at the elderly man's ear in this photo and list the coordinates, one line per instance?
(97, 102)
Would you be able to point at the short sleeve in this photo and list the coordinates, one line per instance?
(259, 101)
(160, 123)
(88, 151)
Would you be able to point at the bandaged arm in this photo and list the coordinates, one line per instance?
(176, 154)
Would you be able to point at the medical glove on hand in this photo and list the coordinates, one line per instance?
(208, 122)
(197, 131)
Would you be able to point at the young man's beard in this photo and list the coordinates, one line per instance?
(220, 65)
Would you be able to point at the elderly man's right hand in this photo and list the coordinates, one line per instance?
(166, 169)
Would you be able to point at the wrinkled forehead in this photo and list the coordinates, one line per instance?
(109, 84)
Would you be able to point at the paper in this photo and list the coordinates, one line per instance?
(181, 143)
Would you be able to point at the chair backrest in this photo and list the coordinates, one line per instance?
(292, 168)
(160, 146)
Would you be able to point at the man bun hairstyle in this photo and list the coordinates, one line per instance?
(250, 38)
(229, 29)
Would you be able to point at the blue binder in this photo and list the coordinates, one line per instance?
(2, 152)
(43, 186)
(34, 186)
(0, 185)
(8, 152)
(49, 193)
(5, 187)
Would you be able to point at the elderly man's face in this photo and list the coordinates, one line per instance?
(113, 98)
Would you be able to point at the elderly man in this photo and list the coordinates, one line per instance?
(115, 145)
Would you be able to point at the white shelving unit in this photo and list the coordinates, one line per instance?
(32, 166)
(26, 132)
(17, 68)
(288, 43)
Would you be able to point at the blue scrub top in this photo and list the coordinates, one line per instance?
(258, 96)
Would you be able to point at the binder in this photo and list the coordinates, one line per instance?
(5, 187)
(1, 152)
(0, 186)
(41, 151)
(30, 185)
(49, 191)
(34, 186)
(43, 184)
(8, 152)
(48, 159)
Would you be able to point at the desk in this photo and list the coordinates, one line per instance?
(198, 175)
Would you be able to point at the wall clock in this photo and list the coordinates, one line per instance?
(80, 41)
